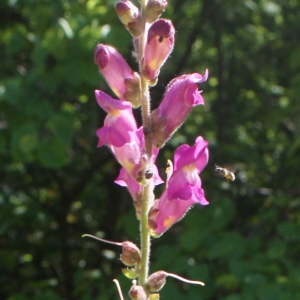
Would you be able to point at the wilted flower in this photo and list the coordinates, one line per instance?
(131, 254)
(156, 281)
(181, 96)
(183, 189)
(137, 292)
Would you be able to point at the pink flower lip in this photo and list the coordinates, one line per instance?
(163, 28)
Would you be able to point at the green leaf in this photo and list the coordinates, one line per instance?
(52, 153)
(277, 249)
(289, 230)
(62, 126)
(229, 244)
(24, 141)
(191, 239)
(228, 281)
(222, 213)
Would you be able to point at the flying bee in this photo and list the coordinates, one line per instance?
(224, 173)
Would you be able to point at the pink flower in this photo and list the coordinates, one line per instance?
(122, 80)
(122, 136)
(159, 45)
(183, 188)
(119, 123)
(181, 96)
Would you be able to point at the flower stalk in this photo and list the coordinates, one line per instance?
(136, 148)
(147, 199)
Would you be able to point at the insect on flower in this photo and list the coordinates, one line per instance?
(224, 173)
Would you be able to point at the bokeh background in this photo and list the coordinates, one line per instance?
(56, 185)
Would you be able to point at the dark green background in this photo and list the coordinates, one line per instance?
(56, 185)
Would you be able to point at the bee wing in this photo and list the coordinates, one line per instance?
(231, 168)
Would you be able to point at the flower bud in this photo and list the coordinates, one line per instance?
(133, 93)
(117, 73)
(160, 43)
(156, 281)
(127, 11)
(137, 292)
(129, 15)
(154, 9)
(131, 254)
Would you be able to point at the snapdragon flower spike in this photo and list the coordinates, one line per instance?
(121, 135)
(181, 96)
(118, 74)
(130, 16)
(160, 43)
(183, 188)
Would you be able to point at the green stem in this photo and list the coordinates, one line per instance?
(148, 185)
(145, 236)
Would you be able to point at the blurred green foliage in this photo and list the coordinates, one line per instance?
(55, 185)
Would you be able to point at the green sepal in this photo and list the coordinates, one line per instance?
(130, 273)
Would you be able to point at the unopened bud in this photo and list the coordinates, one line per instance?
(137, 293)
(154, 9)
(127, 11)
(115, 69)
(133, 90)
(131, 254)
(156, 281)
(129, 15)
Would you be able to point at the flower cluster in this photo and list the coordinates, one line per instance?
(153, 41)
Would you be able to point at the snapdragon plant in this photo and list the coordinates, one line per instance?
(136, 149)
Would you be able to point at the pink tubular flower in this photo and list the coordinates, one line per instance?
(181, 96)
(117, 73)
(122, 136)
(119, 123)
(160, 43)
(183, 188)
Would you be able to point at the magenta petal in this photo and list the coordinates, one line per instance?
(181, 96)
(160, 43)
(113, 67)
(178, 187)
(118, 123)
(108, 104)
(183, 189)
(198, 154)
